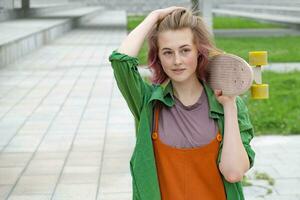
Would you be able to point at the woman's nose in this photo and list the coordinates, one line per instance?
(177, 59)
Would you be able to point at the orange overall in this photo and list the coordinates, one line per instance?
(188, 173)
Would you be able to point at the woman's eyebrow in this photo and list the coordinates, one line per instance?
(166, 48)
(184, 45)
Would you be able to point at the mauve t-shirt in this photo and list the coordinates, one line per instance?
(187, 126)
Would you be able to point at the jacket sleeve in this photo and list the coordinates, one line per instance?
(246, 129)
(129, 81)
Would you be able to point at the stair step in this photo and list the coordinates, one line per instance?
(19, 37)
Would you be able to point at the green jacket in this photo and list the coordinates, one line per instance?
(140, 97)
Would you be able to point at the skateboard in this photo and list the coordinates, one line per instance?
(230, 74)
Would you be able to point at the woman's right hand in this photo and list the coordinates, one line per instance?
(162, 13)
(132, 44)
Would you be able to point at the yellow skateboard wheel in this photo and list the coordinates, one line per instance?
(258, 58)
(260, 91)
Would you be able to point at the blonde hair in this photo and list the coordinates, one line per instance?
(180, 19)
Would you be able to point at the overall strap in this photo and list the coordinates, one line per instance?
(157, 108)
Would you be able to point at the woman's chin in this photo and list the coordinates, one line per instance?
(178, 79)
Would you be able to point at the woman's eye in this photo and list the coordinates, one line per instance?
(167, 53)
(185, 50)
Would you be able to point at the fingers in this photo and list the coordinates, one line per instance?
(166, 11)
(218, 92)
(173, 8)
(177, 7)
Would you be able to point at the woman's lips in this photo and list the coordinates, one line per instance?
(178, 71)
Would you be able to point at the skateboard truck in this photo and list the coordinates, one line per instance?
(258, 89)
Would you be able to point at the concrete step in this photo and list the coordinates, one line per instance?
(35, 10)
(19, 37)
(109, 19)
(43, 9)
(292, 21)
(269, 9)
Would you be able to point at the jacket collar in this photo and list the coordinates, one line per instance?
(164, 93)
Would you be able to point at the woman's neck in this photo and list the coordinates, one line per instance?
(188, 92)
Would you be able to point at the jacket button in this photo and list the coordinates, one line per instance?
(219, 137)
(154, 135)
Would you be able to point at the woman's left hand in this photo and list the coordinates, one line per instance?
(224, 100)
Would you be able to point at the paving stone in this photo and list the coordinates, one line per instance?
(282, 197)
(29, 197)
(113, 183)
(8, 159)
(116, 150)
(34, 126)
(8, 176)
(115, 196)
(287, 186)
(287, 170)
(88, 143)
(44, 167)
(4, 191)
(84, 159)
(255, 192)
(113, 165)
(37, 184)
(27, 143)
(80, 175)
(56, 143)
(75, 192)
(50, 155)
(261, 168)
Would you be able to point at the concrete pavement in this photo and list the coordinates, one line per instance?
(56, 107)
(279, 157)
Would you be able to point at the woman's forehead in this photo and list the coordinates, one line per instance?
(175, 39)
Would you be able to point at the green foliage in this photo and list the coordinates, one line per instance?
(240, 23)
(264, 176)
(252, 180)
(134, 20)
(246, 182)
(143, 54)
(280, 49)
(280, 114)
(218, 23)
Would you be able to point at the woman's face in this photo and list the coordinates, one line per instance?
(178, 54)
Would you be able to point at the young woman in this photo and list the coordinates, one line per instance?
(191, 142)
